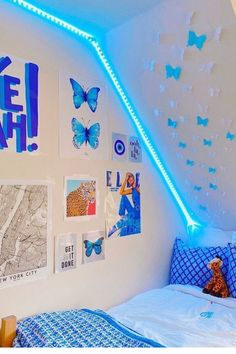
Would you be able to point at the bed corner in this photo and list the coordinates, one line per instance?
(7, 331)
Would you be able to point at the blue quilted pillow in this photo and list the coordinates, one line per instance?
(189, 265)
(231, 276)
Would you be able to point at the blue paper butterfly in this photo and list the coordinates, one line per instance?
(230, 136)
(182, 145)
(93, 246)
(202, 207)
(172, 123)
(198, 41)
(213, 186)
(84, 135)
(202, 121)
(173, 72)
(212, 170)
(197, 188)
(190, 163)
(207, 142)
(80, 96)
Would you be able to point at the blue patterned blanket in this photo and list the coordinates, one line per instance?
(77, 328)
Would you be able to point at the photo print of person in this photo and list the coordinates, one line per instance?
(123, 217)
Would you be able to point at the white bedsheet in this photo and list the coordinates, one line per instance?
(180, 316)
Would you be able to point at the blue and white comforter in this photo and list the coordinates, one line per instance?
(77, 328)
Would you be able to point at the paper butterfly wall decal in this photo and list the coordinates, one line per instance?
(183, 119)
(202, 207)
(182, 145)
(213, 186)
(190, 163)
(157, 112)
(93, 246)
(207, 68)
(189, 17)
(212, 170)
(202, 121)
(178, 52)
(80, 96)
(149, 64)
(207, 142)
(187, 88)
(217, 33)
(197, 188)
(174, 135)
(230, 136)
(214, 92)
(172, 123)
(84, 135)
(157, 37)
(173, 103)
(173, 72)
(203, 108)
(4, 63)
(198, 41)
(162, 88)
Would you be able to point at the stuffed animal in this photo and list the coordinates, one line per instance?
(217, 285)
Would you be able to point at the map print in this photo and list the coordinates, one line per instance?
(23, 231)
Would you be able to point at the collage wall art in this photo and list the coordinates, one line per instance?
(26, 205)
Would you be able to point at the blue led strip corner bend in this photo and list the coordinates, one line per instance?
(192, 225)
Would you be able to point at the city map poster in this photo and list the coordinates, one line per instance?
(23, 231)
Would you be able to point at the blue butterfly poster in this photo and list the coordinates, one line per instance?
(93, 246)
(122, 204)
(83, 121)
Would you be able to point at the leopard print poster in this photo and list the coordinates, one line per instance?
(80, 197)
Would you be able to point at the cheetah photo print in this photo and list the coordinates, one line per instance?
(80, 197)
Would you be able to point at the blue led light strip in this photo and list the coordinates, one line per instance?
(191, 223)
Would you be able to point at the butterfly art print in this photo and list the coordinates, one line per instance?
(83, 118)
(81, 96)
(85, 135)
(93, 246)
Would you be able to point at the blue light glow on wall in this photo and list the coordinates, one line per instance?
(192, 225)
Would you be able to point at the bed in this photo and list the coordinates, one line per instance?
(177, 315)
(180, 316)
(173, 316)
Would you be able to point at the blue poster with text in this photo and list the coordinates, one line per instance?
(19, 118)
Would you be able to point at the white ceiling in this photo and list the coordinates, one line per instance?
(96, 16)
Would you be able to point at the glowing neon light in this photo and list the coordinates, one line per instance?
(192, 225)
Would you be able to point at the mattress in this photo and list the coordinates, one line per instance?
(180, 316)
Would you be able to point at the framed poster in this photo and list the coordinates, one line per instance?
(93, 246)
(65, 252)
(135, 149)
(80, 197)
(24, 228)
(119, 147)
(19, 116)
(123, 207)
(83, 117)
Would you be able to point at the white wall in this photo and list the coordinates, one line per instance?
(134, 47)
(132, 264)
